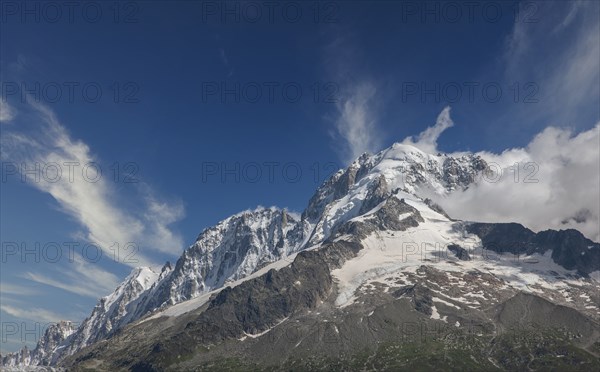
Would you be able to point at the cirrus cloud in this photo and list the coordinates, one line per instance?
(93, 204)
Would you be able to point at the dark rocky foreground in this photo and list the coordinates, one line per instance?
(286, 320)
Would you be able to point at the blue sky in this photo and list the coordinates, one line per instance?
(172, 94)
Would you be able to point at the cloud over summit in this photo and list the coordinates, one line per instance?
(427, 140)
(552, 183)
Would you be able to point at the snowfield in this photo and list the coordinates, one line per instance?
(396, 253)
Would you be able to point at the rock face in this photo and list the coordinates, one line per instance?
(420, 296)
(570, 249)
(391, 214)
(371, 178)
(231, 250)
(460, 252)
(378, 200)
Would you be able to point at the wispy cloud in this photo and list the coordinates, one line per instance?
(12, 289)
(7, 112)
(82, 278)
(356, 124)
(558, 49)
(93, 204)
(427, 140)
(359, 96)
(31, 313)
(225, 62)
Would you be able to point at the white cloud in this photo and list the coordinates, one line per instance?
(35, 314)
(80, 277)
(11, 289)
(7, 112)
(565, 195)
(427, 140)
(93, 204)
(356, 124)
(555, 45)
(358, 94)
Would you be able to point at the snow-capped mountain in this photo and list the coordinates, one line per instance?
(239, 245)
(484, 296)
(367, 180)
(369, 223)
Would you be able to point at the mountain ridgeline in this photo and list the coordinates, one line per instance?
(267, 289)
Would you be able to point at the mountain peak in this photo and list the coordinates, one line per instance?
(381, 195)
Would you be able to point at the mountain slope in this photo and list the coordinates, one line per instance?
(369, 239)
(386, 278)
(380, 278)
